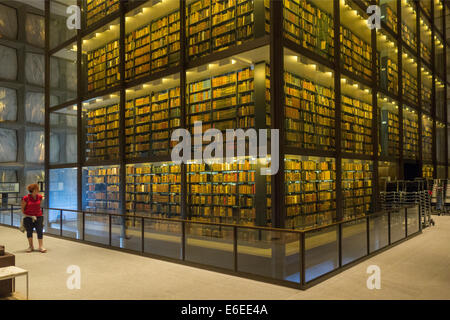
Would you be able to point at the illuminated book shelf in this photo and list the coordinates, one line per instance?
(310, 191)
(426, 98)
(410, 87)
(309, 26)
(102, 133)
(427, 139)
(310, 114)
(99, 9)
(409, 37)
(410, 136)
(356, 187)
(389, 16)
(389, 134)
(101, 189)
(425, 52)
(154, 189)
(427, 171)
(103, 67)
(356, 54)
(389, 75)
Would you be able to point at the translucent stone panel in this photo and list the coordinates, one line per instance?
(71, 148)
(34, 146)
(8, 22)
(8, 145)
(35, 68)
(8, 61)
(33, 176)
(63, 188)
(8, 104)
(35, 107)
(55, 72)
(8, 175)
(35, 30)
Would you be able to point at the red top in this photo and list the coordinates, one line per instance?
(33, 207)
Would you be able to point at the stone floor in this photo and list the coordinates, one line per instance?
(416, 269)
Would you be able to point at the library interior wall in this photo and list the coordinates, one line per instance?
(351, 127)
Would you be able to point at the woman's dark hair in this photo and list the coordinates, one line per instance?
(33, 187)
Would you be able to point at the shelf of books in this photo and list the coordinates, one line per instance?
(309, 26)
(356, 54)
(103, 67)
(310, 114)
(389, 16)
(356, 187)
(153, 47)
(356, 126)
(410, 88)
(426, 97)
(389, 75)
(99, 9)
(409, 34)
(101, 189)
(410, 134)
(150, 121)
(427, 138)
(427, 171)
(389, 133)
(154, 189)
(215, 25)
(102, 133)
(223, 192)
(425, 52)
(310, 191)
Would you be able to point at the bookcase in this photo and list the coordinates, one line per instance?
(389, 17)
(356, 126)
(410, 135)
(356, 187)
(426, 96)
(153, 47)
(150, 121)
(99, 9)
(410, 87)
(215, 25)
(427, 138)
(427, 171)
(310, 189)
(309, 26)
(356, 54)
(101, 189)
(225, 192)
(102, 133)
(310, 114)
(425, 52)
(389, 75)
(389, 133)
(103, 67)
(154, 189)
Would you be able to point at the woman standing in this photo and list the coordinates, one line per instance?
(31, 208)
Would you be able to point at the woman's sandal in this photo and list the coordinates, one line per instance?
(42, 250)
(30, 249)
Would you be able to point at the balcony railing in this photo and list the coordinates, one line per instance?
(295, 258)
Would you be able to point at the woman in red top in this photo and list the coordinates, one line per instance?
(31, 208)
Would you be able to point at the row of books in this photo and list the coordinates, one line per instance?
(356, 187)
(101, 189)
(103, 67)
(410, 136)
(99, 9)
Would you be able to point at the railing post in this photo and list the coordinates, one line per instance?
(340, 244)
(142, 233)
(406, 222)
(83, 218)
(12, 216)
(303, 262)
(368, 234)
(110, 229)
(60, 223)
(183, 240)
(235, 251)
(389, 227)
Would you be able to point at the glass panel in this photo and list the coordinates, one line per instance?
(426, 6)
(310, 24)
(154, 189)
(356, 104)
(427, 138)
(270, 254)
(409, 25)
(440, 172)
(322, 252)
(8, 61)
(59, 32)
(410, 133)
(63, 76)
(356, 187)
(439, 14)
(52, 221)
(35, 68)
(8, 145)
(387, 171)
(356, 44)
(101, 189)
(152, 40)
(425, 39)
(397, 225)
(72, 225)
(35, 176)
(63, 124)
(96, 228)
(100, 58)
(440, 98)
(63, 189)
(389, 128)
(310, 191)
(427, 171)
(387, 61)
(101, 127)
(389, 14)
(126, 233)
(439, 56)
(35, 30)
(440, 142)
(35, 107)
(378, 232)
(309, 105)
(8, 22)
(8, 104)
(162, 238)
(96, 10)
(210, 245)
(152, 113)
(409, 73)
(413, 219)
(354, 240)
(426, 90)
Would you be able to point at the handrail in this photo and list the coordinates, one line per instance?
(309, 229)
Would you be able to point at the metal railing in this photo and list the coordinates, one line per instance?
(295, 258)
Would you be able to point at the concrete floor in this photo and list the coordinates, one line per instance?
(416, 269)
